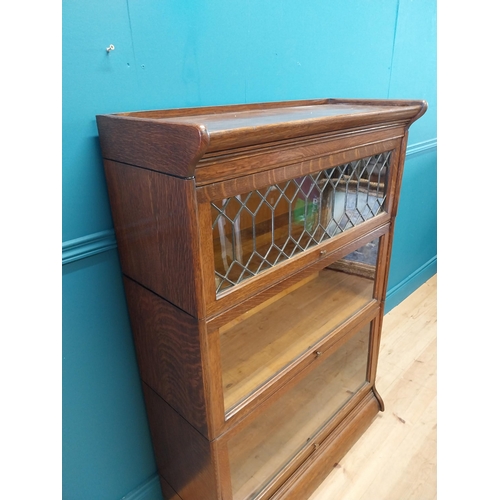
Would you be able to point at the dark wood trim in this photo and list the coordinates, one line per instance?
(220, 452)
(207, 254)
(383, 262)
(374, 349)
(393, 208)
(212, 378)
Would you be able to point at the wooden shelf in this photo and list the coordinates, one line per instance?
(262, 342)
(264, 447)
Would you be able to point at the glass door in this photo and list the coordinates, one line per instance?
(256, 230)
(259, 344)
(290, 425)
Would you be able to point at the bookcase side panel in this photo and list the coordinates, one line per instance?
(183, 456)
(155, 222)
(167, 344)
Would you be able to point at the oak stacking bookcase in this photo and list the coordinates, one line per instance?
(254, 242)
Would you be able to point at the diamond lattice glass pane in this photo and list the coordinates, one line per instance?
(255, 231)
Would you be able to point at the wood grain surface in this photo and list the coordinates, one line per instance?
(158, 241)
(183, 455)
(167, 344)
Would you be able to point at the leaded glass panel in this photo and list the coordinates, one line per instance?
(256, 230)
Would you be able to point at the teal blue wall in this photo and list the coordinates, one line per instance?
(189, 53)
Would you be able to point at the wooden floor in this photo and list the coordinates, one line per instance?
(396, 458)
